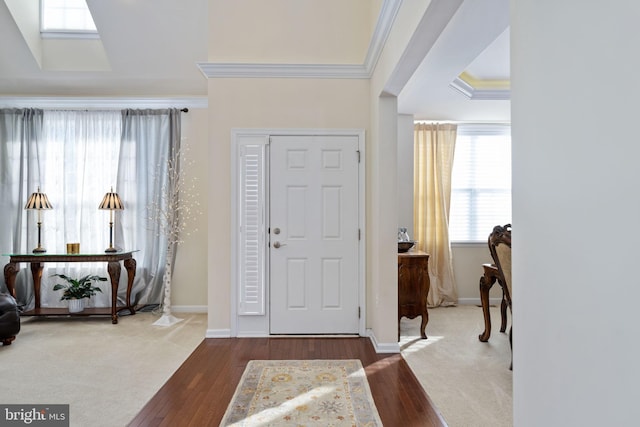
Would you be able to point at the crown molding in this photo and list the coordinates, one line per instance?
(310, 71)
(479, 94)
(96, 103)
(388, 12)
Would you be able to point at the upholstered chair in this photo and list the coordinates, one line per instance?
(9, 319)
(500, 245)
(500, 248)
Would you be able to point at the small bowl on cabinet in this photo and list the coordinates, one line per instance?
(405, 246)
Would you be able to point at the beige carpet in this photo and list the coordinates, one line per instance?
(468, 380)
(95, 366)
(309, 393)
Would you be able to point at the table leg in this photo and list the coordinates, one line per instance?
(10, 271)
(114, 269)
(36, 272)
(423, 303)
(130, 265)
(486, 282)
(423, 324)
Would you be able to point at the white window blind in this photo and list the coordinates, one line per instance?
(481, 182)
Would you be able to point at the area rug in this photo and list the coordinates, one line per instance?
(302, 393)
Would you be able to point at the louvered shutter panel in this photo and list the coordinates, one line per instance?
(252, 254)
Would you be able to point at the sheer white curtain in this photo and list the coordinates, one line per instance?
(79, 159)
(20, 134)
(434, 146)
(76, 157)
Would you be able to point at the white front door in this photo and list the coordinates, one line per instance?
(313, 235)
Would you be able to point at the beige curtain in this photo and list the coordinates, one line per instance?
(434, 145)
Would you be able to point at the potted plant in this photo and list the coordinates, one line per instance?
(76, 290)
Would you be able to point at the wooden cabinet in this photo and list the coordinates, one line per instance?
(413, 287)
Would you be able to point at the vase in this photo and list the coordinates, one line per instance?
(76, 305)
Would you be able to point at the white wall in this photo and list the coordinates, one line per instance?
(467, 269)
(405, 173)
(576, 213)
(382, 151)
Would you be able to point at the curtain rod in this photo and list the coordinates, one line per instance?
(184, 110)
(454, 122)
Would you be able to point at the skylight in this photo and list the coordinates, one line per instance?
(66, 17)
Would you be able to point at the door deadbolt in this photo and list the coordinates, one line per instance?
(276, 230)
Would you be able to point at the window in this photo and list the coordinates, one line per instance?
(86, 145)
(481, 182)
(66, 17)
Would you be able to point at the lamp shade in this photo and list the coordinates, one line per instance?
(38, 201)
(111, 201)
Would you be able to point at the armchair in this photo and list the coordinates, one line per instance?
(9, 319)
(500, 248)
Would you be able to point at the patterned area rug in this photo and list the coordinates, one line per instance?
(302, 393)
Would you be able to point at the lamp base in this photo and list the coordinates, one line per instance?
(39, 250)
(109, 250)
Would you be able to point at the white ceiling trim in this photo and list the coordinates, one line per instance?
(97, 103)
(388, 12)
(479, 94)
(310, 71)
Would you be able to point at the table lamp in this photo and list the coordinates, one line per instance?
(38, 201)
(111, 201)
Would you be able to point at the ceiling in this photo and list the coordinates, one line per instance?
(463, 76)
(149, 54)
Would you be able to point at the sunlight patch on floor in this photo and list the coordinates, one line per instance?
(414, 344)
(268, 415)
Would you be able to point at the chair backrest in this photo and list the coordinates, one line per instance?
(500, 248)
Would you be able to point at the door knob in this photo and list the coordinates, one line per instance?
(278, 244)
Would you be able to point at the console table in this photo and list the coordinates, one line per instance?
(37, 261)
(413, 287)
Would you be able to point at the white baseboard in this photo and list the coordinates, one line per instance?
(218, 333)
(393, 347)
(256, 334)
(189, 309)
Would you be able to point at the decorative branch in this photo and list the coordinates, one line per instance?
(174, 213)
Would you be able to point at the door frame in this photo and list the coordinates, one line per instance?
(258, 325)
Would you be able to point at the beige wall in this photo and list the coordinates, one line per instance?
(189, 283)
(467, 269)
(382, 210)
(290, 31)
(308, 103)
(264, 103)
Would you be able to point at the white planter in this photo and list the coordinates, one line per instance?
(76, 305)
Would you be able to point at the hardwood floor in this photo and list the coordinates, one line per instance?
(200, 390)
